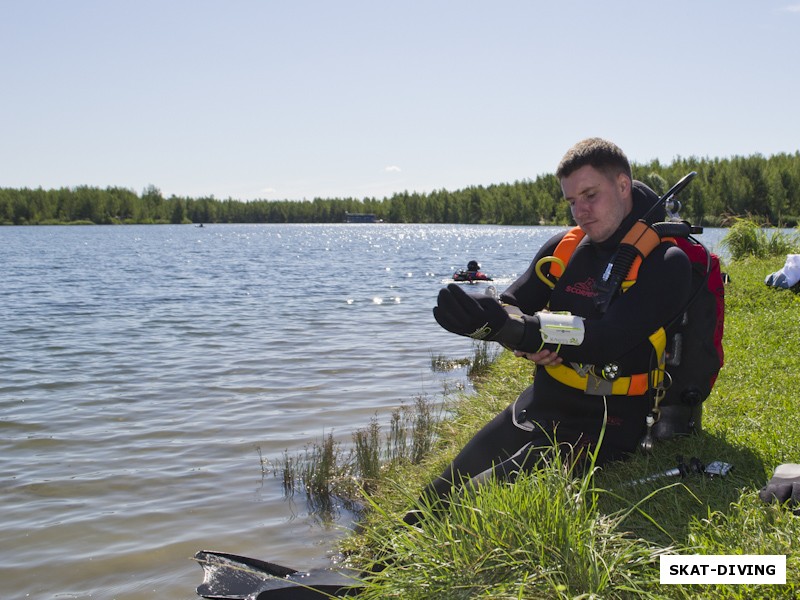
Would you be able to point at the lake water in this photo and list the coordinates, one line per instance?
(144, 371)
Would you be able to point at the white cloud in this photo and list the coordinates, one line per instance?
(268, 190)
(795, 8)
(393, 169)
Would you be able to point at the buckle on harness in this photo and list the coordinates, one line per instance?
(598, 386)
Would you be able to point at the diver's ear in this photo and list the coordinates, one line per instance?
(624, 184)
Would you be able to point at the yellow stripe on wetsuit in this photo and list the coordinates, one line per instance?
(632, 385)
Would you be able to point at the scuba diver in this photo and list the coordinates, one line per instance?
(473, 273)
(599, 353)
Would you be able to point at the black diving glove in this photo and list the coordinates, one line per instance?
(479, 317)
(783, 487)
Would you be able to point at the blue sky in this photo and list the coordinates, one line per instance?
(300, 99)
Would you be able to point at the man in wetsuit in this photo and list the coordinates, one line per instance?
(612, 343)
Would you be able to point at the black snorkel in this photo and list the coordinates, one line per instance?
(642, 234)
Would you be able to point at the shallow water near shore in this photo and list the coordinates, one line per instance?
(146, 370)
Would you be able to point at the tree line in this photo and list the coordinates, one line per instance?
(763, 188)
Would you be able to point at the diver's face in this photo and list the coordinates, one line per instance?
(598, 202)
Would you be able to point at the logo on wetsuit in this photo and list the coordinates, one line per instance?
(582, 288)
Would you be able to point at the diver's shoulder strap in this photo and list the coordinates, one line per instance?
(565, 249)
(641, 236)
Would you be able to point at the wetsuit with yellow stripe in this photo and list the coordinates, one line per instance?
(620, 336)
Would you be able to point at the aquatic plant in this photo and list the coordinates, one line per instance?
(326, 471)
(747, 238)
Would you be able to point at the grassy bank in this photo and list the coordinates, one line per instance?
(559, 534)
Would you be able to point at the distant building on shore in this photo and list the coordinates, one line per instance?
(360, 218)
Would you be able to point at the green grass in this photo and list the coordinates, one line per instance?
(561, 534)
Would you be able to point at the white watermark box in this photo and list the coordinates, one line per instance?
(740, 568)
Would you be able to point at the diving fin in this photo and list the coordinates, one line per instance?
(231, 577)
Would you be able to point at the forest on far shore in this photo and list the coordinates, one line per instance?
(766, 189)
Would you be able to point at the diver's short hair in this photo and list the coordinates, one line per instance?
(601, 154)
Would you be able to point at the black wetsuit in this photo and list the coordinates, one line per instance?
(620, 335)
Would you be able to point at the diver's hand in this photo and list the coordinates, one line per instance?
(480, 317)
(542, 358)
